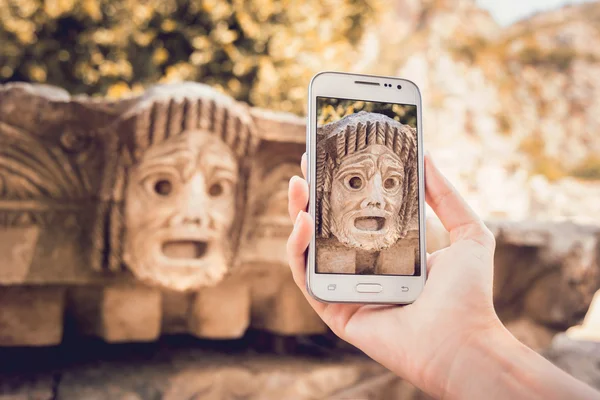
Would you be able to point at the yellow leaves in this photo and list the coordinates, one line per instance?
(26, 9)
(177, 73)
(200, 58)
(221, 34)
(261, 51)
(24, 30)
(92, 9)
(144, 39)
(104, 36)
(160, 56)
(56, 8)
(118, 90)
(217, 9)
(6, 72)
(201, 42)
(37, 73)
(142, 13)
(168, 25)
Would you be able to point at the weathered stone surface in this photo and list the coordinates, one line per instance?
(285, 312)
(579, 358)
(366, 192)
(130, 313)
(31, 316)
(221, 312)
(545, 273)
(187, 370)
(79, 187)
(29, 387)
(116, 313)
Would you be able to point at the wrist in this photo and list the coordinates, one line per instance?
(495, 365)
(484, 365)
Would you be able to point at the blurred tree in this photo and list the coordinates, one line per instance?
(260, 51)
(331, 110)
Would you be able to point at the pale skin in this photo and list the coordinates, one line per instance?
(450, 343)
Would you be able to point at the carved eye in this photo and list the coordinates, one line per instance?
(355, 182)
(391, 183)
(163, 187)
(216, 189)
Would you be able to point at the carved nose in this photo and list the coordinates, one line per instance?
(183, 219)
(196, 220)
(375, 197)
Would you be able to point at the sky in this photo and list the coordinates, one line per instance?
(509, 11)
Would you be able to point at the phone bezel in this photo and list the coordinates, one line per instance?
(397, 289)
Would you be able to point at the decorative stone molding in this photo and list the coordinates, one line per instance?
(166, 213)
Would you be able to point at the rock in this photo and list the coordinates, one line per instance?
(27, 388)
(116, 313)
(577, 357)
(31, 316)
(174, 372)
(130, 314)
(589, 330)
(137, 257)
(545, 273)
(222, 312)
(532, 334)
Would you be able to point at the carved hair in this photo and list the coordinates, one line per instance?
(356, 132)
(162, 112)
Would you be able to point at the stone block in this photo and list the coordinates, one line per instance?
(17, 247)
(31, 316)
(130, 314)
(398, 260)
(335, 259)
(176, 308)
(288, 313)
(221, 312)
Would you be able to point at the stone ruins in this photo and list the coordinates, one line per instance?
(167, 213)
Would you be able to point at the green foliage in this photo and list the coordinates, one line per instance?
(589, 169)
(331, 110)
(560, 58)
(260, 51)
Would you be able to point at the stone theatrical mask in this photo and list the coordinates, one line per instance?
(366, 181)
(182, 172)
(180, 208)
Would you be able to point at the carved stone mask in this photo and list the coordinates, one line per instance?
(366, 197)
(180, 207)
(367, 188)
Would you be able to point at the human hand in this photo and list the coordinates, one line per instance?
(424, 341)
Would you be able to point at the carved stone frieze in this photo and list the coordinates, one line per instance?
(167, 213)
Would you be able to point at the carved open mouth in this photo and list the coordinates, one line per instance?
(372, 224)
(185, 249)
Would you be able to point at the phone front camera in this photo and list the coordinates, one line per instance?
(399, 86)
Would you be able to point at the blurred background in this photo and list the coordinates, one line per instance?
(331, 110)
(511, 107)
(511, 89)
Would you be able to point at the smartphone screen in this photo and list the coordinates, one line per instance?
(367, 188)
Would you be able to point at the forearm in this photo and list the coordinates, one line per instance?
(498, 366)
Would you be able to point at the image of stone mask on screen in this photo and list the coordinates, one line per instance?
(180, 206)
(366, 197)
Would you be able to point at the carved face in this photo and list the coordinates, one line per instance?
(366, 196)
(180, 206)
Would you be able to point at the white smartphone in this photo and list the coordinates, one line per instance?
(365, 171)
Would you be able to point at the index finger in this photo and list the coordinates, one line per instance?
(455, 214)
